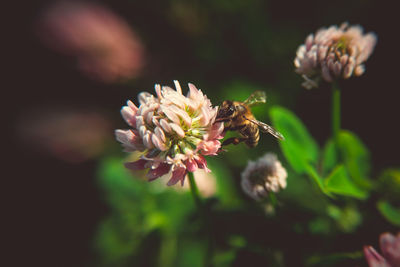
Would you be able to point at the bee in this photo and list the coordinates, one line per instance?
(237, 116)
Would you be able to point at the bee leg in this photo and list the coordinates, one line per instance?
(233, 140)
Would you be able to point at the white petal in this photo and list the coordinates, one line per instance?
(177, 129)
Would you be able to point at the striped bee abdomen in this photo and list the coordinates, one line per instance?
(252, 133)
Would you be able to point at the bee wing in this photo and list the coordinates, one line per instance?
(258, 97)
(265, 128)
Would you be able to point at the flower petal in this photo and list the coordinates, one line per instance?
(159, 171)
(202, 163)
(136, 165)
(191, 165)
(177, 175)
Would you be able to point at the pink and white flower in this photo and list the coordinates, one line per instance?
(262, 176)
(173, 132)
(334, 53)
(390, 247)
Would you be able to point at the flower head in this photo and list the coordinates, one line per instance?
(262, 176)
(173, 132)
(105, 46)
(334, 53)
(390, 246)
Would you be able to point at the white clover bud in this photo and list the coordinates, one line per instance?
(263, 176)
(174, 132)
(334, 53)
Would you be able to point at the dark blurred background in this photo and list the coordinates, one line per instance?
(221, 46)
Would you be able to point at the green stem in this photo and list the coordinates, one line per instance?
(272, 199)
(195, 192)
(335, 112)
(196, 196)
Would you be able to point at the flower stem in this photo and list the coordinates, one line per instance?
(195, 192)
(335, 112)
(207, 224)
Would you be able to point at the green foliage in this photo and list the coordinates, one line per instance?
(355, 157)
(339, 182)
(302, 153)
(139, 210)
(329, 157)
(299, 147)
(389, 184)
(390, 213)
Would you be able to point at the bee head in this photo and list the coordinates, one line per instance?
(226, 110)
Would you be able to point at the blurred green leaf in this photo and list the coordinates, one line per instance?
(333, 259)
(391, 214)
(299, 148)
(226, 191)
(356, 158)
(338, 182)
(312, 172)
(191, 253)
(141, 213)
(329, 157)
(347, 218)
(320, 225)
(389, 184)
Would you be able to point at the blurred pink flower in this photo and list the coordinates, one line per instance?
(73, 136)
(262, 176)
(334, 53)
(173, 132)
(103, 43)
(390, 247)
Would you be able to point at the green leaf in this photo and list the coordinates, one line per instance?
(312, 172)
(226, 191)
(338, 182)
(391, 214)
(356, 158)
(329, 157)
(299, 148)
(389, 184)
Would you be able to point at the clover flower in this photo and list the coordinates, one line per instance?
(103, 43)
(390, 247)
(333, 53)
(262, 176)
(173, 132)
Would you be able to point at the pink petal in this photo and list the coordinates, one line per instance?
(159, 171)
(129, 116)
(177, 129)
(171, 115)
(158, 143)
(209, 147)
(191, 165)
(215, 132)
(205, 116)
(136, 165)
(165, 125)
(178, 87)
(390, 247)
(202, 163)
(129, 139)
(132, 106)
(157, 87)
(193, 92)
(177, 175)
(373, 258)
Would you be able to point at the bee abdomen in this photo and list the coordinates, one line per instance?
(253, 135)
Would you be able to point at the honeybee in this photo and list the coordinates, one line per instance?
(237, 116)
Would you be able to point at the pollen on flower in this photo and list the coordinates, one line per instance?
(173, 132)
(334, 53)
(263, 176)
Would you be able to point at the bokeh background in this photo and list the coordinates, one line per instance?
(74, 64)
